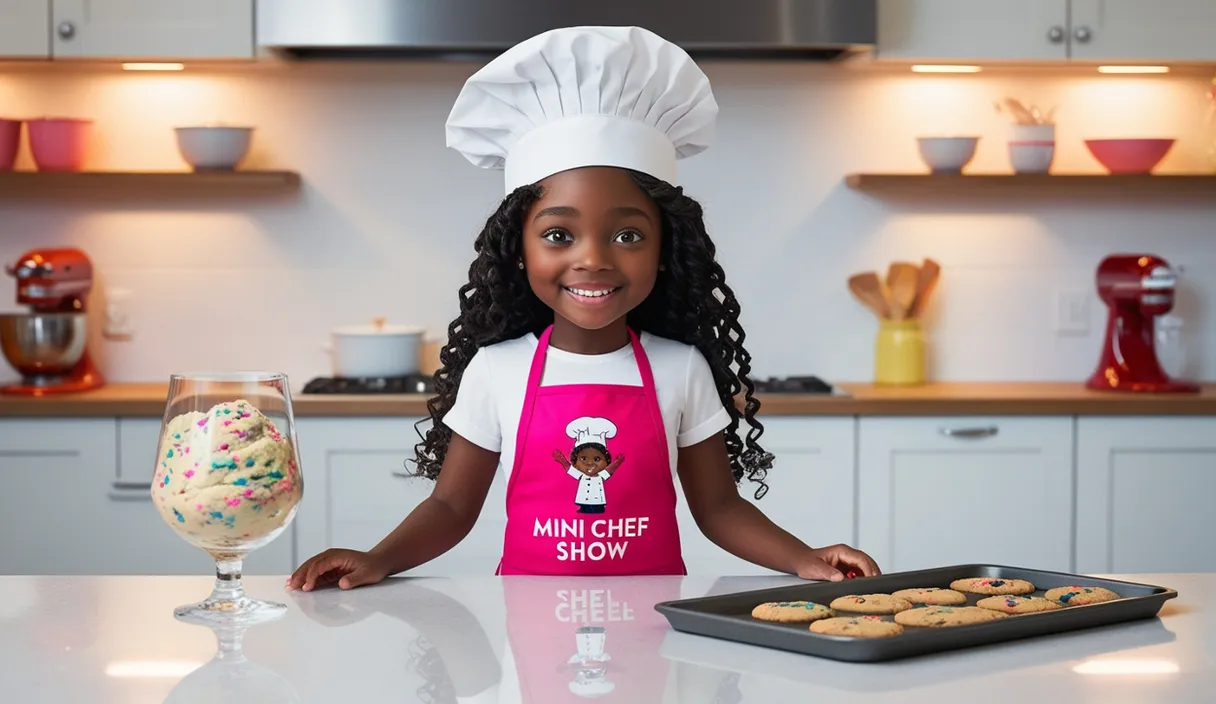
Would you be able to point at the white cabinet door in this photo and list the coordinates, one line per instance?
(25, 29)
(54, 475)
(810, 492)
(941, 491)
(153, 29)
(1135, 30)
(356, 492)
(154, 547)
(1144, 494)
(973, 30)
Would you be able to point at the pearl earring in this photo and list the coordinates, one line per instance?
(521, 263)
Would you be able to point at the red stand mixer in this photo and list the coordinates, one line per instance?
(1136, 288)
(49, 345)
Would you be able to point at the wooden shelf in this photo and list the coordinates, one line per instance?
(249, 183)
(1161, 183)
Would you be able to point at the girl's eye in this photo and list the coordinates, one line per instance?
(557, 236)
(629, 237)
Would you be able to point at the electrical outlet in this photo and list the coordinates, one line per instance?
(117, 325)
(1071, 314)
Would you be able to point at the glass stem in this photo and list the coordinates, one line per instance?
(228, 586)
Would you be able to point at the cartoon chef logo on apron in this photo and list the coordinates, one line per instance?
(603, 424)
(590, 462)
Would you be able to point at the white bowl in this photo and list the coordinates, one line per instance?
(947, 154)
(213, 148)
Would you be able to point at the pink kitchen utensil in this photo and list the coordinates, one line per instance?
(10, 141)
(1129, 156)
(60, 143)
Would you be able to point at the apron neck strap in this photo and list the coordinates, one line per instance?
(542, 348)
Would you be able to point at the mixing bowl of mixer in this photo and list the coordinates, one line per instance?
(43, 346)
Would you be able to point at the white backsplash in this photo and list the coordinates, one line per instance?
(385, 222)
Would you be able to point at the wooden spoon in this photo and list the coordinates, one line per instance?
(867, 288)
(926, 280)
(901, 281)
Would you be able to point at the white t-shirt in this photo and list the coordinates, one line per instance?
(491, 395)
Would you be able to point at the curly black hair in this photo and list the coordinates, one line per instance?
(690, 303)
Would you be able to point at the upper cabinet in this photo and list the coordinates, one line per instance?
(974, 30)
(172, 30)
(1123, 30)
(153, 29)
(1046, 30)
(25, 29)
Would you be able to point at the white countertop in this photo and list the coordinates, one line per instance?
(114, 639)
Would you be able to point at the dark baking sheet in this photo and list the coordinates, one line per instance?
(728, 616)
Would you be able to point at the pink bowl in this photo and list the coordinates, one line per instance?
(60, 144)
(10, 140)
(1129, 156)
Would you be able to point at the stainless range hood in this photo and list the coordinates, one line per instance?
(822, 30)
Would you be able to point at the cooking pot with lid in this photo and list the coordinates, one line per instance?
(375, 351)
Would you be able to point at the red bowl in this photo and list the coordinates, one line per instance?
(1129, 156)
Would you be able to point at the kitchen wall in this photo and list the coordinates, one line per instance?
(385, 222)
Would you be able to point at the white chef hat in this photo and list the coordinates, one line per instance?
(584, 96)
(590, 429)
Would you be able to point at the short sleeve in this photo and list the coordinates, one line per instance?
(704, 415)
(474, 416)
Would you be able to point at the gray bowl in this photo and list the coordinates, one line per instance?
(43, 344)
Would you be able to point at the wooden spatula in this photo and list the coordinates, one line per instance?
(926, 280)
(867, 288)
(901, 281)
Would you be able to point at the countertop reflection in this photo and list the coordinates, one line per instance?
(537, 639)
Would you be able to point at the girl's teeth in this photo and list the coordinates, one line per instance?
(591, 294)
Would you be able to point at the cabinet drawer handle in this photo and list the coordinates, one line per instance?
(970, 433)
(67, 30)
(1082, 34)
(1055, 35)
(130, 491)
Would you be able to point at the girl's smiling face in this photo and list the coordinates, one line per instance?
(591, 245)
(590, 459)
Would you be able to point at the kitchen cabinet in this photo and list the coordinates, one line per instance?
(1046, 30)
(1134, 30)
(70, 509)
(152, 29)
(942, 491)
(1144, 494)
(25, 29)
(973, 30)
(810, 492)
(357, 490)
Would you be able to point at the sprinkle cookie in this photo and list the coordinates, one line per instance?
(791, 611)
(1080, 596)
(946, 616)
(932, 596)
(871, 604)
(992, 585)
(857, 627)
(1013, 604)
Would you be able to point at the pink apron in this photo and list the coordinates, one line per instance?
(591, 491)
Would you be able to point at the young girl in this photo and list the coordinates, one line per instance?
(596, 321)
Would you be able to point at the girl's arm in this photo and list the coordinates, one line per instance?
(740, 528)
(435, 526)
(445, 517)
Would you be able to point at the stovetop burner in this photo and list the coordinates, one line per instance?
(412, 384)
(425, 384)
(793, 385)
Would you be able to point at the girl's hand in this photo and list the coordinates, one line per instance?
(349, 568)
(561, 459)
(832, 562)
